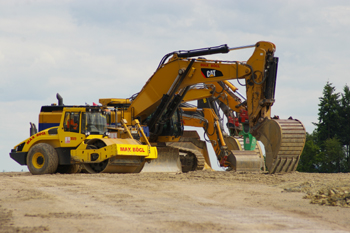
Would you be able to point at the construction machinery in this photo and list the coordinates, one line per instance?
(157, 104)
(72, 136)
(231, 150)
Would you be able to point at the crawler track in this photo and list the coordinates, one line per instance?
(191, 156)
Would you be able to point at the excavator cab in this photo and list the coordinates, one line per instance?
(173, 126)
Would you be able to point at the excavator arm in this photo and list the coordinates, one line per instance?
(283, 139)
(208, 120)
(228, 150)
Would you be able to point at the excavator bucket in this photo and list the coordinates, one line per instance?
(168, 161)
(284, 141)
(244, 160)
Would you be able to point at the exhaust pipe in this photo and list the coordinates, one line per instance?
(60, 99)
(33, 129)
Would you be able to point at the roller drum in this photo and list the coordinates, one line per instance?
(118, 163)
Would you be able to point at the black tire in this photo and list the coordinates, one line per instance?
(42, 158)
(69, 169)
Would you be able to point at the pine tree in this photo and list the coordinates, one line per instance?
(327, 149)
(328, 115)
(345, 124)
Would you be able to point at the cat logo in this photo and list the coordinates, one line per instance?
(211, 73)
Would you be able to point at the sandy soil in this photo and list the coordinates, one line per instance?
(203, 201)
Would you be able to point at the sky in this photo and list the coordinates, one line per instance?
(86, 50)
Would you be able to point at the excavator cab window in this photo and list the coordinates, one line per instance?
(173, 126)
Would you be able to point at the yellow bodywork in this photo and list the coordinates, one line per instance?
(151, 94)
(113, 101)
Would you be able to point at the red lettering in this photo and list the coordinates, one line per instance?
(30, 139)
(215, 65)
(138, 149)
(127, 149)
(205, 65)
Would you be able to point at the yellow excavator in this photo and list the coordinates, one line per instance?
(156, 106)
(231, 150)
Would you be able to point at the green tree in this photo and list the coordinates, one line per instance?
(328, 125)
(345, 124)
(309, 159)
(333, 157)
(331, 135)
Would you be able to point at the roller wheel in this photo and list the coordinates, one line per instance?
(42, 159)
(96, 167)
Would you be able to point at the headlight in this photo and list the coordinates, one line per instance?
(20, 147)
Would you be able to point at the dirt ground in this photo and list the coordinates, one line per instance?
(202, 201)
